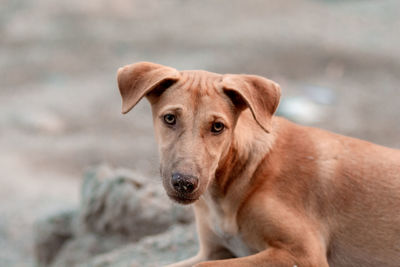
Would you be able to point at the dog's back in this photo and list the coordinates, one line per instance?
(355, 193)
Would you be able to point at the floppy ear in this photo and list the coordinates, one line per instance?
(138, 80)
(258, 94)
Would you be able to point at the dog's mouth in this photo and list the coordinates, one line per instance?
(184, 200)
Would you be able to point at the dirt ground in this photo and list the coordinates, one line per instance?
(60, 107)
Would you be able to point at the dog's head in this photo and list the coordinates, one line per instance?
(194, 116)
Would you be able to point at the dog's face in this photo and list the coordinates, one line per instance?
(194, 122)
(194, 116)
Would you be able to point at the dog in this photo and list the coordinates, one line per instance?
(266, 191)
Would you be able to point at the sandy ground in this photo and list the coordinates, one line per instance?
(60, 108)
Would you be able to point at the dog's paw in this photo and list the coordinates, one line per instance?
(205, 264)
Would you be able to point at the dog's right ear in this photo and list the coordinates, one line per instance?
(140, 79)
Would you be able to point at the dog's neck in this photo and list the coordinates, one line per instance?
(249, 146)
(233, 177)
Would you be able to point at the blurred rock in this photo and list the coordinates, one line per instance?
(176, 244)
(84, 247)
(118, 207)
(51, 234)
(125, 203)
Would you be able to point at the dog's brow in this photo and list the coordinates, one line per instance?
(174, 108)
(216, 116)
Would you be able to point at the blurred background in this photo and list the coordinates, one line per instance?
(338, 63)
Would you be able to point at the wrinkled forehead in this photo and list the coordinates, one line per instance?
(197, 91)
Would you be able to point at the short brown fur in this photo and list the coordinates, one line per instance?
(271, 193)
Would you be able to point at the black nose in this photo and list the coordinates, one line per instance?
(184, 184)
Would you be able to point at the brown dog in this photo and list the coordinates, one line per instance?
(266, 192)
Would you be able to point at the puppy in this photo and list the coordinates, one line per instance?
(266, 192)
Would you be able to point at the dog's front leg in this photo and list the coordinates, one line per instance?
(267, 258)
(189, 262)
(210, 247)
(203, 256)
(272, 257)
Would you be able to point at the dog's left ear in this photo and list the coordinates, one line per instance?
(140, 79)
(258, 94)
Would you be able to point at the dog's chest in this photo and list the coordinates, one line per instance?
(235, 244)
(226, 229)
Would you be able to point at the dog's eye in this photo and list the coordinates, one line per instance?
(170, 119)
(217, 127)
